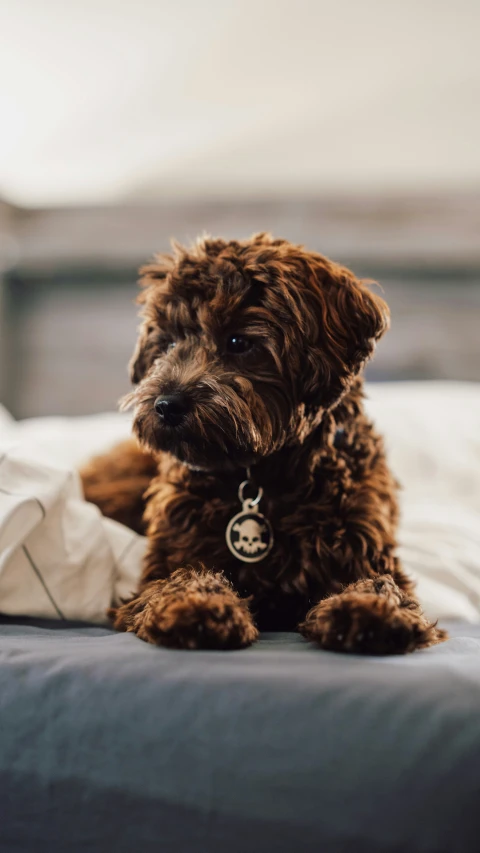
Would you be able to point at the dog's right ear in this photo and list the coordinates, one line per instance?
(152, 276)
(140, 361)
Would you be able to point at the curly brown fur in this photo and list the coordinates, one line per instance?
(370, 617)
(190, 609)
(290, 408)
(117, 481)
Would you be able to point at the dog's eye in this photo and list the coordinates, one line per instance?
(239, 344)
(166, 345)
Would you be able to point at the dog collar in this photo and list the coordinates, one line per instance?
(249, 534)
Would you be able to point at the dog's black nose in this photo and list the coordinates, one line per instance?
(172, 408)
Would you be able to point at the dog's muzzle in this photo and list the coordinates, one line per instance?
(172, 408)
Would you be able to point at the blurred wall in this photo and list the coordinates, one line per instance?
(353, 127)
(69, 318)
(101, 100)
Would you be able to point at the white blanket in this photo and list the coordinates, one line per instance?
(60, 558)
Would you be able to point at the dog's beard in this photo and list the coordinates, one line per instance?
(231, 425)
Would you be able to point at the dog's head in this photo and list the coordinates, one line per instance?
(244, 346)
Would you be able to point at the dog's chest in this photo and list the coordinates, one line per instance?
(279, 543)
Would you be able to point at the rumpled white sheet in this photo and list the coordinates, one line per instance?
(60, 557)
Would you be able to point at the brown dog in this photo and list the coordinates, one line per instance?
(262, 486)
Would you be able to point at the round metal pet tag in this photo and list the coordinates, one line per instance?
(249, 534)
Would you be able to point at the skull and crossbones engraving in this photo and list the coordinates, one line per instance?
(250, 536)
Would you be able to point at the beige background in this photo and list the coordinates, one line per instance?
(106, 99)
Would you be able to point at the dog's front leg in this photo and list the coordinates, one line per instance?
(188, 610)
(373, 617)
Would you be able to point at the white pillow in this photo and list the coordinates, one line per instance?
(432, 433)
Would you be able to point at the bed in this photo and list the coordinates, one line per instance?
(108, 744)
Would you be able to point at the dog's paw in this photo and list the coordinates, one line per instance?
(368, 624)
(190, 620)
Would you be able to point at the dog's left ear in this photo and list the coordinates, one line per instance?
(347, 320)
(356, 318)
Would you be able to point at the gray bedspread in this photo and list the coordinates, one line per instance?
(108, 744)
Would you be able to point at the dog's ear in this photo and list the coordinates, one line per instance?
(141, 359)
(347, 319)
(354, 317)
(152, 277)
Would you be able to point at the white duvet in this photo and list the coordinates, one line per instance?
(59, 558)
